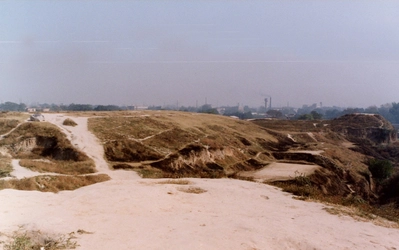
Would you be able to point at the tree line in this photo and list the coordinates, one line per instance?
(389, 111)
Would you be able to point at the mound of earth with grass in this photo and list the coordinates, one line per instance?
(367, 127)
(178, 144)
(36, 140)
(43, 148)
(69, 122)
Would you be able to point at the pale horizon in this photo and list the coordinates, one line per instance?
(161, 52)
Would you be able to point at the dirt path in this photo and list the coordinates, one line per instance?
(85, 141)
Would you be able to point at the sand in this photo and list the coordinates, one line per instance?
(277, 171)
(128, 212)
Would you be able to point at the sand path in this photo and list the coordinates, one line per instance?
(85, 141)
(132, 213)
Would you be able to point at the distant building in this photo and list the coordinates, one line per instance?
(30, 110)
(140, 107)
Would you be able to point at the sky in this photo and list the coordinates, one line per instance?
(220, 52)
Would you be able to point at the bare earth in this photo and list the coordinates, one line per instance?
(280, 171)
(128, 212)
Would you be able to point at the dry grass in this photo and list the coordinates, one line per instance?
(33, 142)
(54, 184)
(178, 144)
(36, 240)
(353, 206)
(17, 116)
(7, 124)
(192, 190)
(60, 167)
(149, 172)
(361, 215)
(5, 166)
(69, 122)
(36, 129)
(175, 181)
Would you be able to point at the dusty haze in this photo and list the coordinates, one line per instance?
(227, 52)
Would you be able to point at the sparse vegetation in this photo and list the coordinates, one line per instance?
(69, 122)
(178, 144)
(390, 191)
(42, 147)
(380, 169)
(36, 240)
(51, 183)
(48, 141)
(5, 166)
(304, 189)
(361, 215)
(60, 167)
(192, 190)
(7, 124)
(175, 182)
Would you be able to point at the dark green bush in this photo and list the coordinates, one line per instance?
(390, 190)
(380, 169)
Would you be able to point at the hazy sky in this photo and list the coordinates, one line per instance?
(343, 53)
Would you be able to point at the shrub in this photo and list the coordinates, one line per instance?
(390, 190)
(380, 169)
(36, 240)
(69, 122)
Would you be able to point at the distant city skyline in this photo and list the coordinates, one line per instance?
(341, 53)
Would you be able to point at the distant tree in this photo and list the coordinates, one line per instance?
(274, 113)
(11, 106)
(305, 117)
(352, 111)
(371, 110)
(153, 107)
(261, 109)
(384, 111)
(80, 107)
(241, 115)
(332, 113)
(107, 108)
(55, 107)
(394, 112)
(207, 108)
(288, 111)
(316, 116)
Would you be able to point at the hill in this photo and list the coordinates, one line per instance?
(333, 155)
(309, 158)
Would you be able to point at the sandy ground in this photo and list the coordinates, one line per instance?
(20, 172)
(128, 212)
(280, 171)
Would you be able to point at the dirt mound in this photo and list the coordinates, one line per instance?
(177, 144)
(45, 141)
(181, 144)
(35, 140)
(370, 127)
(129, 151)
(197, 160)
